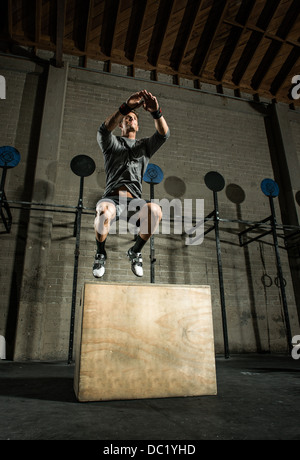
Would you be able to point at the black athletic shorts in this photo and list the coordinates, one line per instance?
(131, 205)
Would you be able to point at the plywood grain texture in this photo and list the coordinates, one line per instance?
(144, 341)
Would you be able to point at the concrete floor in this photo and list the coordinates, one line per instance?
(258, 398)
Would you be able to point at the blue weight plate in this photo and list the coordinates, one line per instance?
(269, 187)
(153, 174)
(9, 157)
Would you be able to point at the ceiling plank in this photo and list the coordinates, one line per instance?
(285, 71)
(109, 24)
(254, 41)
(184, 34)
(234, 38)
(265, 64)
(159, 31)
(274, 48)
(215, 19)
(265, 33)
(134, 29)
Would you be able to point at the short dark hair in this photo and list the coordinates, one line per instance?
(135, 113)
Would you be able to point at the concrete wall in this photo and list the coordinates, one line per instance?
(52, 116)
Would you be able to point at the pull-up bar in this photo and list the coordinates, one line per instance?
(271, 189)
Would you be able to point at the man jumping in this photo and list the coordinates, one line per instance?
(126, 160)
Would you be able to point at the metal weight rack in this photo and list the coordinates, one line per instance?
(271, 190)
(83, 166)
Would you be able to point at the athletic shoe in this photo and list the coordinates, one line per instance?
(99, 265)
(136, 262)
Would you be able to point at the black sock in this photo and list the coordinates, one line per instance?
(101, 247)
(138, 245)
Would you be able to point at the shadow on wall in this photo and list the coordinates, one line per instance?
(175, 186)
(236, 195)
(37, 104)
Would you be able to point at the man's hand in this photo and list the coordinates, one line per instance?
(150, 103)
(135, 100)
(145, 99)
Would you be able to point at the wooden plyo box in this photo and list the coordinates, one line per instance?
(144, 341)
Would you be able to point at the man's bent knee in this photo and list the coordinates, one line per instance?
(106, 209)
(105, 213)
(155, 210)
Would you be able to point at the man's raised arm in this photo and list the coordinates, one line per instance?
(133, 102)
(151, 105)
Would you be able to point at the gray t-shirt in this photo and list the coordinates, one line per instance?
(126, 160)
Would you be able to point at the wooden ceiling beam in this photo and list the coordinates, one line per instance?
(38, 20)
(159, 31)
(10, 19)
(109, 24)
(5, 19)
(87, 31)
(81, 24)
(211, 28)
(234, 37)
(185, 32)
(289, 20)
(254, 40)
(265, 33)
(134, 29)
(162, 35)
(265, 64)
(88, 25)
(60, 31)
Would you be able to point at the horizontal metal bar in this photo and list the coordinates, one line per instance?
(252, 224)
(258, 224)
(254, 239)
(33, 203)
(52, 210)
(208, 217)
(292, 234)
(209, 230)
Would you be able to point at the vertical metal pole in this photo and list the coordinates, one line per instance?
(2, 188)
(6, 221)
(73, 309)
(220, 272)
(280, 275)
(3, 178)
(152, 250)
